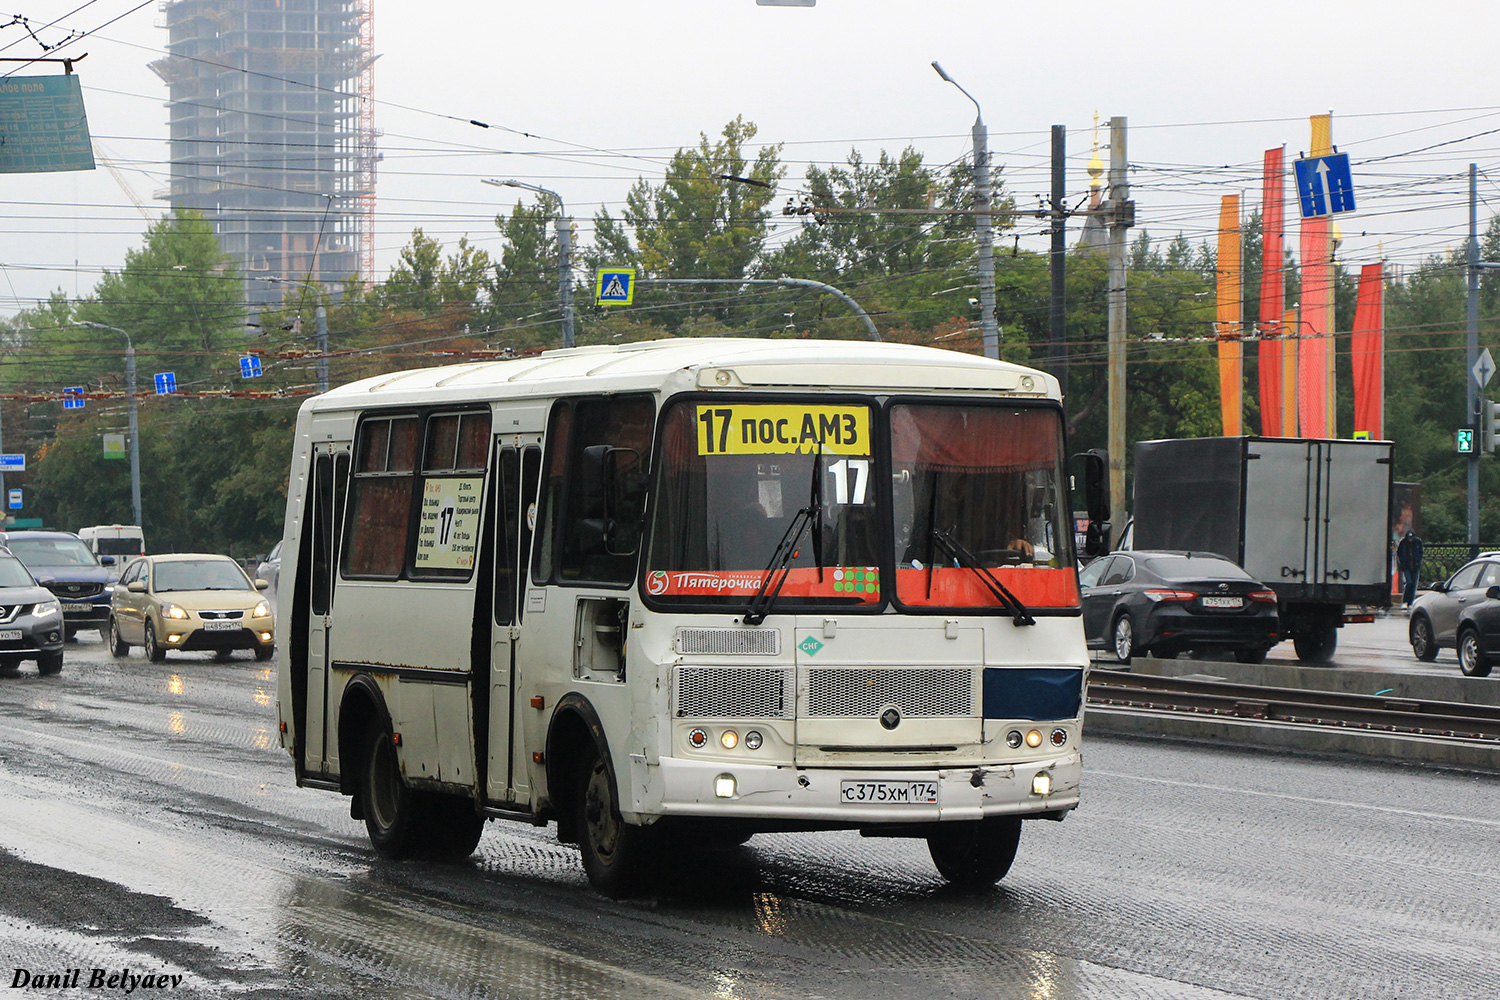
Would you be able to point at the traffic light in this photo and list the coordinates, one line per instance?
(1463, 440)
(1489, 425)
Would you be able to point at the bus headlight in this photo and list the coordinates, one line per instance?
(1041, 784)
(729, 739)
(1013, 739)
(724, 786)
(1034, 738)
(752, 740)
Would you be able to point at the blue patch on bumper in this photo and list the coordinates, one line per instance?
(1039, 694)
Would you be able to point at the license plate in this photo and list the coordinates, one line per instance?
(1223, 602)
(9, 634)
(220, 626)
(901, 793)
(78, 609)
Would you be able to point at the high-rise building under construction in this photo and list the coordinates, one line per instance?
(272, 134)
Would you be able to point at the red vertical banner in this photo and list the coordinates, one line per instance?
(1272, 292)
(1289, 377)
(1231, 357)
(1367, 347)
(1314, 333)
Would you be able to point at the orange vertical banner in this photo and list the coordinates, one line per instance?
(1272, 291)
(1367, 349)
(1289, 377)
(1315, 371)
(1231, 358)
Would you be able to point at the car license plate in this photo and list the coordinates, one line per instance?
(77, 609)
(220, 626)
(1223, 602)
(9, 634)
(903, 793)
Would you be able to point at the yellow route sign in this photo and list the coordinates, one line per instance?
(783, 429)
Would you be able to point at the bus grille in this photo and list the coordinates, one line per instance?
(734, 692)
(763, 641)
(917, 692)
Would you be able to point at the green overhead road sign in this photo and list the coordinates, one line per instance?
(614, 286)
(43, 126)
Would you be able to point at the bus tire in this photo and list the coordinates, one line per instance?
(455, 828)
(394, 813)
(977, 853)
(617, 855)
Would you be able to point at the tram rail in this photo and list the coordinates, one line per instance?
(1377, 714)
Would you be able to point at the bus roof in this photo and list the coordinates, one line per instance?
(707, 363)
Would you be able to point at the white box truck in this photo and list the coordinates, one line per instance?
(1308, 517)
(123, 542)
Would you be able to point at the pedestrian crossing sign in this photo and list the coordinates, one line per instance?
(614, 286)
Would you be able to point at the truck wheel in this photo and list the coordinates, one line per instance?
(975, 854)
(1422, 645)
(617, 856)
(1471, 658)
(1122, 638)
(1316, 646)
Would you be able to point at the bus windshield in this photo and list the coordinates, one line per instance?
(975, 477)
(983, 479)
(734, 476)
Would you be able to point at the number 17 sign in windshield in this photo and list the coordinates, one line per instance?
(783, 429)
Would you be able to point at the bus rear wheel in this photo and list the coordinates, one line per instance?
(975, 854)
(455, 828)
(393, 812)
(617, 856)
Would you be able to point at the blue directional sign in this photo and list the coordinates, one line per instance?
(1324, 185)
(166, 382)
(73, 398)
(614, 286)
(250, 367)
(12, 463)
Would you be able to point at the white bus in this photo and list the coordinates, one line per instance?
(683, 592)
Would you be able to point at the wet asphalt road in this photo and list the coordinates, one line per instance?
(149, 826)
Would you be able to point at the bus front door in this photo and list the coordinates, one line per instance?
(518, 464)
(330, 479)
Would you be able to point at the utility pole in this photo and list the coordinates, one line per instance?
(1121, 215)
(983, 227)
(564, 255)
(1057, 347)
(1471, 355)
(135, 438)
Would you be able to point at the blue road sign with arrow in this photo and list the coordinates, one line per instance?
(166, 382)
(1324, 185)
(73, 398)
(250, 367)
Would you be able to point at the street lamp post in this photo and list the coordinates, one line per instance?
(321, 315)
(135, 444)
(983, 229)
(564, 254)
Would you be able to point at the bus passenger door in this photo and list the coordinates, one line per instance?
(330, 479)
(518, 465)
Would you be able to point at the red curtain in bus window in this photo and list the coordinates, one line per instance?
(973, 439)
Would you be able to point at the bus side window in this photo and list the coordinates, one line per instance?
(595, 479)
(380, 507)
(507, 540)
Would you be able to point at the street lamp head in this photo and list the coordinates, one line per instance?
(945, 76)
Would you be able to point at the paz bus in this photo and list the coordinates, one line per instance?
(683, 592)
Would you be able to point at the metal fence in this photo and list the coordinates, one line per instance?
(1441, 560)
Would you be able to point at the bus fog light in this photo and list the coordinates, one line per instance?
(1059, 737)
(729, 739)
(753, 740)
(1013, 739)
(724, 786)
(1033, 738)
(697, 738)
(1041, 784)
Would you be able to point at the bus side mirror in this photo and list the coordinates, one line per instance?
(614, 491)
(1094, 465)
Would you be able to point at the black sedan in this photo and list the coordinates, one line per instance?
(1170, 602)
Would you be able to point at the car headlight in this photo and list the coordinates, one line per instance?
(169, 610)
(261, 610)
(46, 609)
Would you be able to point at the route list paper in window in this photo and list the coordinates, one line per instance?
(448, 535)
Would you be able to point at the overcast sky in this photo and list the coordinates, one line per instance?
(1206, 87)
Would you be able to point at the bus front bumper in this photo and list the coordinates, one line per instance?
(847, 795)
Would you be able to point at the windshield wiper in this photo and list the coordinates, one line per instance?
(786, 549)
(965, 559)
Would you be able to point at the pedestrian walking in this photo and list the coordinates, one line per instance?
(1409, 562)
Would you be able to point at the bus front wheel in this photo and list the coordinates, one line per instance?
(392, 810)
(616, 854)
(975, 854)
